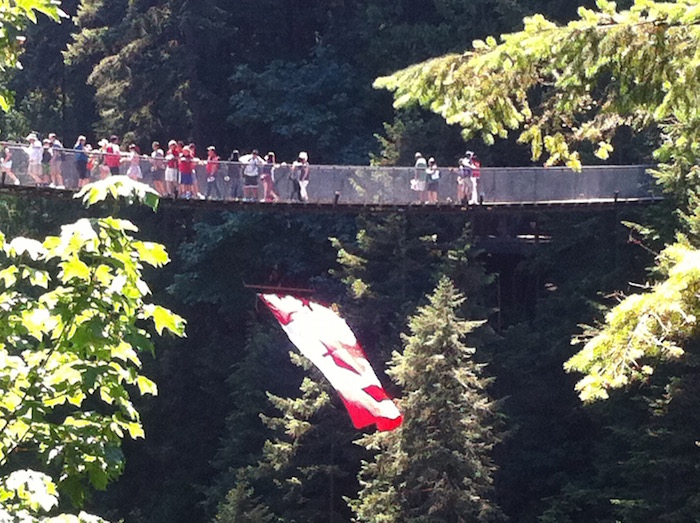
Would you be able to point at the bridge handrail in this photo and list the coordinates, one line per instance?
(363, 184)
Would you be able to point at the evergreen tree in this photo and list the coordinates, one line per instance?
(255, 371)
(643, 463)
(49, 96)
(387, 270)
(306, 466)
(153, 66)
(240, 506)
(545, 296)
(437, 466)
(393, 263)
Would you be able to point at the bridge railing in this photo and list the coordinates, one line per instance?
(391, 185)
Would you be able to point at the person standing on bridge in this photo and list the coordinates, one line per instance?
(418, 183)
(251, 174)
(464, 175)
(212, 168)
(102, 168)
(34, 152)
(134, 160)
(7, 165)
(186, 166)
(233, 176)
(268, 178)
(57, 157)
(81, 160)
(475, 175)
(433, 176)
(46, 155)
(113, 156)
(171, 168)
(195, 178)
(158, 168)
(300, 177)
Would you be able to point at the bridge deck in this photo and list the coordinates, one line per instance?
(592, 204)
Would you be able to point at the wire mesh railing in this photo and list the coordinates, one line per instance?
(339, 184)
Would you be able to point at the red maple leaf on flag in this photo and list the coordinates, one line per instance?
(338, 360)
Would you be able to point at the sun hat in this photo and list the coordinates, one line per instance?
(303, 156)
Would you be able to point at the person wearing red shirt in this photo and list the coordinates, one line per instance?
(113, 156)
(186, 167)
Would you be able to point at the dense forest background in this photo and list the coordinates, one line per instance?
(272, 75)
(296, 75)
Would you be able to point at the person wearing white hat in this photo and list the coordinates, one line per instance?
(172, 174)
(158, 168)
(212, 168)
(433, 177)
(419, 180)
(103, 169)
(34, 151)
(251, 175)
(300, 177)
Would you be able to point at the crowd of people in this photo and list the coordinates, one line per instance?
(172, 171)
(176, 170)
(426, 180)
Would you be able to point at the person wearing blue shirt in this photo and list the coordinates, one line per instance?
(81, 160)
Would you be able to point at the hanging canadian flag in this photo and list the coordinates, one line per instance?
(325, 338)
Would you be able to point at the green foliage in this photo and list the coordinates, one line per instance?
(249, 376)
(581, 82)
(568, 84)
(437, 465)
(647, 440)
(304, 104)
(146, 61)
(643, 327)
(72, 329)
(302, 473)
(122, 187)
(543, 297)
(14, 17)
(418, 130)
(143, 69)
(240, 506)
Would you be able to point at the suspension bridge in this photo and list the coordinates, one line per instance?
(380, 189)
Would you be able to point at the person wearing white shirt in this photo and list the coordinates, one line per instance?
(34, 151)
